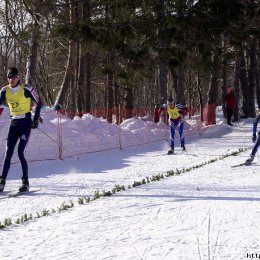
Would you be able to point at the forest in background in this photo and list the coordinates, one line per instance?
(124, 57)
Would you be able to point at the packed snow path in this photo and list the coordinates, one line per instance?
(209, 213)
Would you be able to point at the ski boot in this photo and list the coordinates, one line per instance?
(183, 147)
(2, 185)
(249, 160)
(25, 186)
(171, 151)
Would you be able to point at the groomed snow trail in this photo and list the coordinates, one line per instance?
(208, 213)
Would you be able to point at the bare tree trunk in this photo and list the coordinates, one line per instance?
(200, 98)
(174, 90)
(161, 54)
(69, 67)
(128, 108)
(236, 86)
(66, 79)
(180, 85)
(32, 57)
(86, 12)
(34, 11)
(162, 77)
(78, 75)
(80, 83)
(224, 76)
(224, 86)
(213, 89)
(251, 78)
(117, 105)
(33, 45)
(88, 82)
(110, 81)
(244, 84)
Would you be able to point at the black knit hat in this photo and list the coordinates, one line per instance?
(170, 101)
(12, 72)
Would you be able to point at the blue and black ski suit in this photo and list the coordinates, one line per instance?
(255, 138)
(176, 122)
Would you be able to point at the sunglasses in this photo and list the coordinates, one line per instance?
(12, 76)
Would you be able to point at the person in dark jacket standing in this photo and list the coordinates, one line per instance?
(230, 103)
(18, 96)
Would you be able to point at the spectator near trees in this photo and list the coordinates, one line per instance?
(230, 103)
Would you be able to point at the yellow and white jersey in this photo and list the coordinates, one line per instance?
(173, 113)
(17, 102)
(19, 99)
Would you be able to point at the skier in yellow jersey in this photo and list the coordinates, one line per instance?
(18, 96)
(176, 113)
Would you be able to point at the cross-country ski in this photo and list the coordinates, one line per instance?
(11, 194)
(24, 193)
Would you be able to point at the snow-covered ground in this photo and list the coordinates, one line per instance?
(209, 212)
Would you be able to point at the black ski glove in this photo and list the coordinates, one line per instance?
(34, 124)
(254, 138)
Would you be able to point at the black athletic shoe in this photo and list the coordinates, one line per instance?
(25, 186)
(171, 151)
(249, 160)
(2, 185)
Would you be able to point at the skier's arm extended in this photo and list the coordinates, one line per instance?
(32, 93)
(2, 99)
(2, 95)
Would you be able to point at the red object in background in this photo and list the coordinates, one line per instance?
(157, 113)
(185, 111)
(211, 114)
(230, 99)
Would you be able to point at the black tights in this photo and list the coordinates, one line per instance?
(19, 128)
(257, 144)
(229, 115)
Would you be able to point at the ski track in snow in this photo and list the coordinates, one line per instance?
(209, 213)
